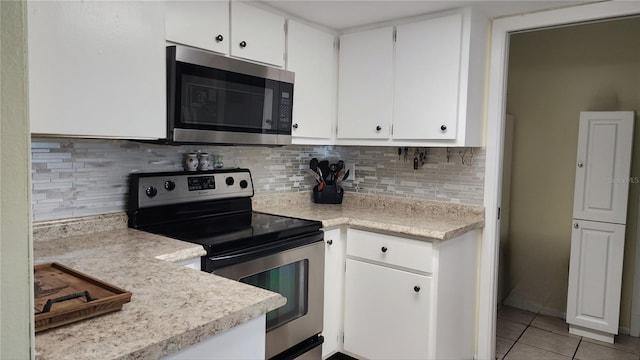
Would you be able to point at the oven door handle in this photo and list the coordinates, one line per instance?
(219, 261)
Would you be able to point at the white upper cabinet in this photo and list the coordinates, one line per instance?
(201, 24)
(257, 34)
(603, 166)
(425, 88)
(365, 84)
(427, 79)
(97, 69)
(311, 55)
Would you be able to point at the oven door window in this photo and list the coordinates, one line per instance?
(290, 281)
(212, 99)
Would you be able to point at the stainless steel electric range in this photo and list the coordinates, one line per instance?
(282, 254)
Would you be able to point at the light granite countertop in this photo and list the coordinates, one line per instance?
(172, 307)
(425, 220)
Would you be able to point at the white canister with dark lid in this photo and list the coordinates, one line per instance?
(204, 160)
(191, 161)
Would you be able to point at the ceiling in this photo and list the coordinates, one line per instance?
(344, 14)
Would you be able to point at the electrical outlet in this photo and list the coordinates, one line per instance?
(352, 170)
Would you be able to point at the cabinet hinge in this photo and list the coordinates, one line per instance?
(336, 44)
(395, 34)
(342, 338)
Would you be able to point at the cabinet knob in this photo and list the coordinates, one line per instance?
(243, 44)
(378, 128)
(295, 126)
(219, 38)
(580, 164)
(329, 242)
(416, 288)
(576, 225)
(384, 249)
(443, 127)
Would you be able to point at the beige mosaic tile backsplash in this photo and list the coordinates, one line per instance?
(78, 177)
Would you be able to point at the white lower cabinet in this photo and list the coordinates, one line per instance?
(386, 312)
(245, 341)
(408, 298)
(333, 291)
(193, 263)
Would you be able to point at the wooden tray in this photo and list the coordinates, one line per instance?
(64, 296)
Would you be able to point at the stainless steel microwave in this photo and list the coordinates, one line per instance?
(216, 99)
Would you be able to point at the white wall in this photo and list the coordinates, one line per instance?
(16, 289)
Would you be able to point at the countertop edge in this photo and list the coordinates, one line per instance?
(184, 338)
(194, 336)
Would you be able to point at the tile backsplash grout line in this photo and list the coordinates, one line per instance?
(79, 177)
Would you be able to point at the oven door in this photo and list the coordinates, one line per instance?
(298, 275)
(216, 99)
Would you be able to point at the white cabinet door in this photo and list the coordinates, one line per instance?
(386, 312)
(365, 84)
(603, 166)
(311, 55)
(202, 24)
(194, 263)
(257, 34)
(595, 275)
(333, 290)
(97, 69)
(427, 79)
(245, 341)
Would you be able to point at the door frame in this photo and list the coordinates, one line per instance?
(635, 295)
(496, 112)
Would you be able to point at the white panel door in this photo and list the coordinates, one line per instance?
(386, 312)
(603, 166)
(257, 34)
(202, 24)
(365, 84)
(333, 289)
(97, 69)
(595, 275)
(311, 55)
(427, 79)
(244, 341)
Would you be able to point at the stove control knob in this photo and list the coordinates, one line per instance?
(243, 184)
(169, 185)
(151, 191)
(229, 180)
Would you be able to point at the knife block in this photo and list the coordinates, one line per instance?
(331, 194)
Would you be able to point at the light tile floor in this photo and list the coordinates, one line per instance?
(522, 335)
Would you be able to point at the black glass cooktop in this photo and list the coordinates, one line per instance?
(223, 233)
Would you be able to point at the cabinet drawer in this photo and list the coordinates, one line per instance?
(412, 254)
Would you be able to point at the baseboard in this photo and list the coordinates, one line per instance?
(623, 330)
(533, 307)
(635, 325)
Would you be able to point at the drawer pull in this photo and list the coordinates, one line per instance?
(416, 288)
(329, 242)
(384, 249)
